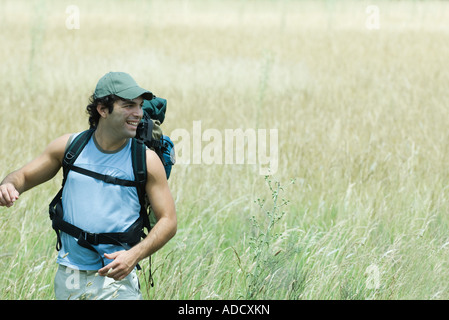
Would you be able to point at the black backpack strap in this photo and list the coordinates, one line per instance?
(54, 210)
(71, 153)
(74, 150)
(138, 155)
(104, 177)
(87, 239)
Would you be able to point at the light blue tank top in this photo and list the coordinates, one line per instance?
(96, 206)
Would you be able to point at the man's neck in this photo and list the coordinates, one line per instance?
(107, 142)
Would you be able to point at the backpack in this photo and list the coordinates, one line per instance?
(148, 135)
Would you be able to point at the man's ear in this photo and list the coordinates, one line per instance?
(102, 110)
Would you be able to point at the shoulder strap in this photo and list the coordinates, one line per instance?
(74, 150)
(138, 156)
(72, 153)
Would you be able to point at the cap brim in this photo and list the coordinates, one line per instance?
(134, 92)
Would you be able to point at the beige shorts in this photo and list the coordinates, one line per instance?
(73, 284)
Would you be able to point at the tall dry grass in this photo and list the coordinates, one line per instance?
(362, 121)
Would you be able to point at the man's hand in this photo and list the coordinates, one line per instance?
(8, 194)
(124, 262)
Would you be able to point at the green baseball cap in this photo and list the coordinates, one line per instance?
(121, 84)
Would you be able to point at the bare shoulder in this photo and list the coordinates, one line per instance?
(56, 148)
(62, 140)
(155, 168)
(44, 167)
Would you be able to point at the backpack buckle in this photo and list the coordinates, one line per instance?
(91, 238)
(68, 158)
(110, 179)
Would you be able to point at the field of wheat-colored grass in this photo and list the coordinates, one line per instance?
(358, 207)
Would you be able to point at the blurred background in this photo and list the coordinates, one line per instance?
(357, 91)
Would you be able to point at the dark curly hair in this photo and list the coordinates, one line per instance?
(91, 109)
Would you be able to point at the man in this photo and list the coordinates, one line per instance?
(99, 207)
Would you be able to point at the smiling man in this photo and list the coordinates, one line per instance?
(98, 208)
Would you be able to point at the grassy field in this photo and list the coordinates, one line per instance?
(357, 208)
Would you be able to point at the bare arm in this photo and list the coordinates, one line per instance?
(163, 206)
(37, 171)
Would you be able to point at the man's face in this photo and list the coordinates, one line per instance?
(125, 117)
